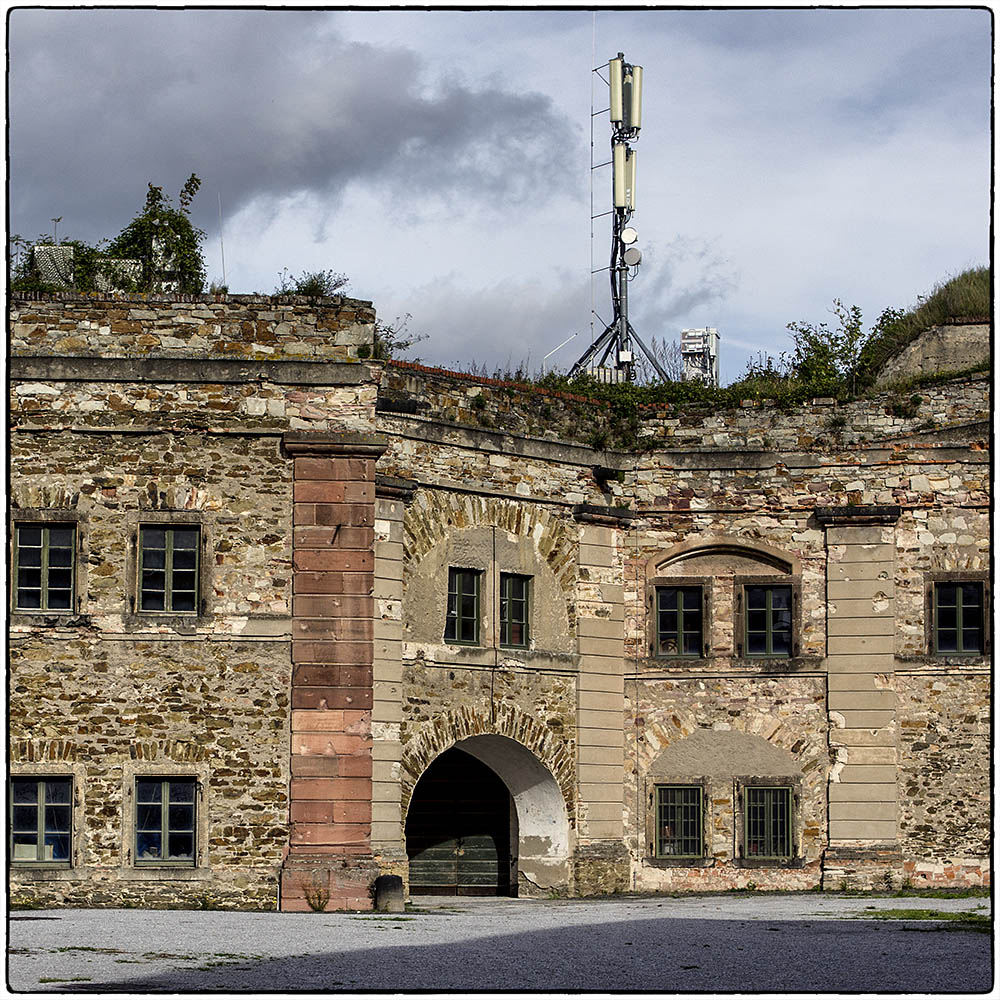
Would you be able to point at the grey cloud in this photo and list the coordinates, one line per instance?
(261, 105)
(677, 279)
(509, 324)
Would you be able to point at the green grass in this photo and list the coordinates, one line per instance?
(966, 921)
(965, 296)
(71, 979)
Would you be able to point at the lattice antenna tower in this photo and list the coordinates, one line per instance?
(613, 348)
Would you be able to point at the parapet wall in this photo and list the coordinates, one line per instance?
(252, 327)
(516, 408)
(491, 404)
(822, 422)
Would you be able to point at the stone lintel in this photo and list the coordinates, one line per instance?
(319, 443)
(857, 516)
(613, 517)
(393, 488)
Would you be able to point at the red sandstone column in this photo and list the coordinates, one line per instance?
(329, 864)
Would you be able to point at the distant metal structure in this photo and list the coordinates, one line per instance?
(700, 355)
(616, 361)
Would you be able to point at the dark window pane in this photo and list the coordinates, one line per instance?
(692, 644)
(756, 642)
(468, 607)
(147, 790)
(148, 816)
(781, 643)
(184, 559)
(757, 621)
(468, 630)
(152, 601)
(29, 557)
(29, 598)
(181, 817)
(25, 791)
(185, 538)
(516, 637)
(24, 819)
(947, 640)
(756, 597)
(60, 557)
(971, 641)
(668, 623)
(668, 597)
(58, 791)
(947, 617)
(59, 600)
(56, 847)
(181, 846)
(147, 845)
(183, 602)
(781, 597)
(154, 538)
(57, 819)
(183, 580)
(692, 598)
(29, 534)
(972, 594)
(61, 537)
(182, 791)
(154, 558)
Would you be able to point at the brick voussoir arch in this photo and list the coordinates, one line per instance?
(440, 734)
(434, 513)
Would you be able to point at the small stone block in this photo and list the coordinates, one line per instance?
(389, 894)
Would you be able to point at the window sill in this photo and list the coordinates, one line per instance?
(769, 862)
(680, 862)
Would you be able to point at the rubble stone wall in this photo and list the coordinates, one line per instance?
(105, 711)
(190, 326)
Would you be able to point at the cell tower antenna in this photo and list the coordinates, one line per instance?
(615, 343)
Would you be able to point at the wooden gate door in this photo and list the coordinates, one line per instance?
(458, 829)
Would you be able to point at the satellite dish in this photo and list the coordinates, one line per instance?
(632, 256)
(629, 235)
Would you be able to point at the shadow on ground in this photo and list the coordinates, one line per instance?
(644, 955)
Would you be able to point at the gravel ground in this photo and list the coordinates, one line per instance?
(722, 943)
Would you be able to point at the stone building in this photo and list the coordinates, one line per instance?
(283, 618)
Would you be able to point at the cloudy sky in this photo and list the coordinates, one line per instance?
(442, 159)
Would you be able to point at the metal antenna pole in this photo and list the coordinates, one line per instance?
(625, 85)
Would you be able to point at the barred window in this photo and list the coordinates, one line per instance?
(679, 821)
(462, 619)
(767, 816)
(40, 819)
(44, 564)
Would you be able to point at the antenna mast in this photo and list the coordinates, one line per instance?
(625, 83)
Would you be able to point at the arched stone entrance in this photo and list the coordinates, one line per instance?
(538, 831)
(459, 830)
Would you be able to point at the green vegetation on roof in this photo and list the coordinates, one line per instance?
(963, 297)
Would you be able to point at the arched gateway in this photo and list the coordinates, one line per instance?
(486, 817)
